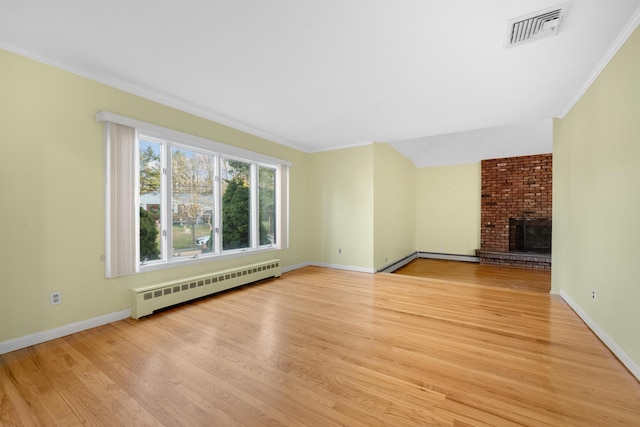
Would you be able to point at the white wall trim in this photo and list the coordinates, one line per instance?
(335, 266)
(632, 366)
(354, 145)
(295, 267)
(604, 61)
(51, 334)
(154, 96)
(450, 257)
(344, 267)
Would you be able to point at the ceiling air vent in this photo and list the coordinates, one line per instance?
(535, 26)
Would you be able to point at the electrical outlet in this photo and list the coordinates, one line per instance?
(55, 298)
(593, 294)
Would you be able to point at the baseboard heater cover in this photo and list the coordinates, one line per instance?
(449, 257)
(390, 268)
(146, 299)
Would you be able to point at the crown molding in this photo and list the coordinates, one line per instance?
(165, 100)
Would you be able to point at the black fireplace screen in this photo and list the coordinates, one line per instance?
(530, 235)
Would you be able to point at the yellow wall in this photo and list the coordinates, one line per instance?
(51, 190)
(341, 185)
(394, 206)
(596, 201)
(448, 209)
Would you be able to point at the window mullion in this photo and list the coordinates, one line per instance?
(217, 191)
(136, 192)
(254, 212)
(167, 235)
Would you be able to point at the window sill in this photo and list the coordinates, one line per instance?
(187, 261)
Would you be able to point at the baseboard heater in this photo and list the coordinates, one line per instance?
(146, 299)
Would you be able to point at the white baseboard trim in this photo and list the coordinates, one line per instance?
(295, 267)
(344, 267)
(632, 366)
(320, 264)
(51, 334)
(450, 257)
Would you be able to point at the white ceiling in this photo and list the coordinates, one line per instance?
(520, 139)
(319, 75)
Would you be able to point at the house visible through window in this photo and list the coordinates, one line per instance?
(193, 199)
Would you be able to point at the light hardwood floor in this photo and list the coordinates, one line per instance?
(481, 274)
(322, 347)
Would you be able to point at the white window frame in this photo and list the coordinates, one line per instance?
(122, 196)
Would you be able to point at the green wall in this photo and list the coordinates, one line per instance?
(596, 201)
(394, 206)
(363, 206)
(448, 209)
(341, 182)
(52, 192)
(52, 195)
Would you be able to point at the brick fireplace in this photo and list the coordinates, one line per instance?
(516, 211)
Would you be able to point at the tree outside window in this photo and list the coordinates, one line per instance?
(236, 204)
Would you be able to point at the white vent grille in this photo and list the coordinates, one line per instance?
(145, 300)
(535, 26)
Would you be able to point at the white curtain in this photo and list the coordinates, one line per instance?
(121, 213)
(282, 201)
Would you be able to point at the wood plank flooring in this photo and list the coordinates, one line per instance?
(322, 347)
(481, 274)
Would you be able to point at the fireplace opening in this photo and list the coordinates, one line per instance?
(530, 235)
